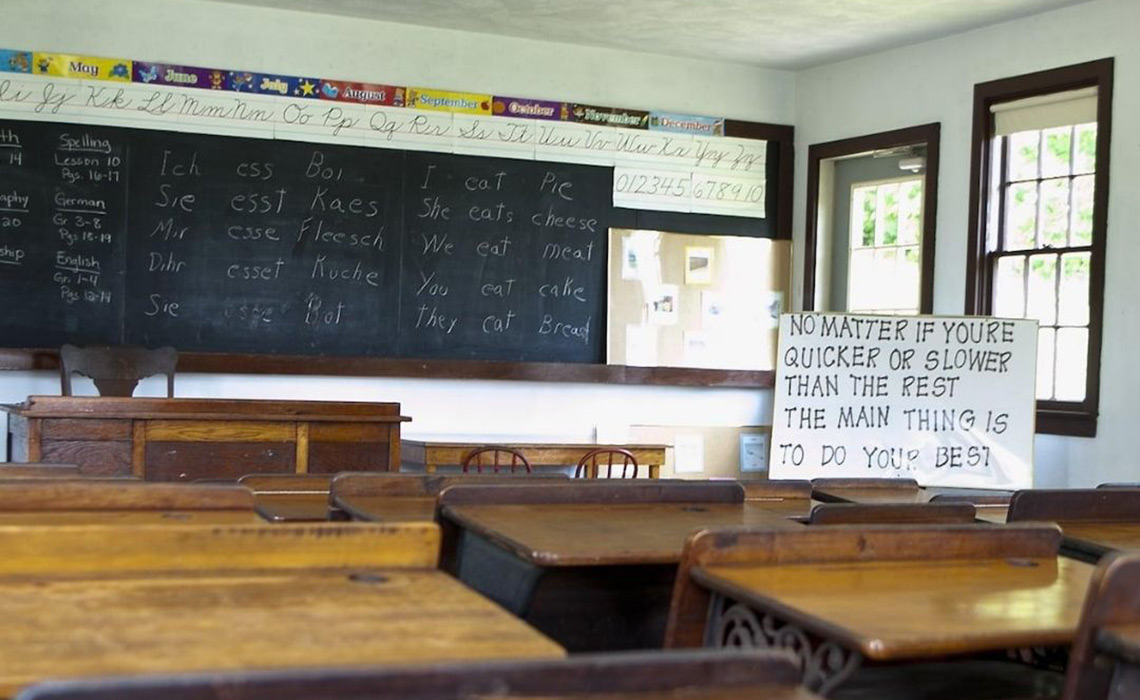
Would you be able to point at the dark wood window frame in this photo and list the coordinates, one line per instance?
(930, 134)
(1071, 418)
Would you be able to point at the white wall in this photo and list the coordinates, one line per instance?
(933, 82)
(197, 32)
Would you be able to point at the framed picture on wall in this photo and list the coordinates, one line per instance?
(698, 265)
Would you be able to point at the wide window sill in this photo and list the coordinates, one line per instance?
(1068, 423)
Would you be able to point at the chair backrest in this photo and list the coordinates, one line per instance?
(1111, 600)
(287, 483)
(688, 610)
(976, 498)
(775, 489)
(591, 463)
(887, 513)
(36, 470)
(1075, 505)
(116, 494)
(494, 457)
(690, 674)
(116, 371)
(898, 484)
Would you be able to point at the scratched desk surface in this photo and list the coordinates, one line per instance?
(595, 534)
(172, 623)
(936, 607)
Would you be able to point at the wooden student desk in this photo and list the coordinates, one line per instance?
(101, 600)
(188, 439)
(431, 455)
(590, 564)
(872, 595)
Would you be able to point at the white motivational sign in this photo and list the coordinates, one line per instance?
(946, 401)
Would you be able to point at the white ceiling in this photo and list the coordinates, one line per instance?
(785, 34)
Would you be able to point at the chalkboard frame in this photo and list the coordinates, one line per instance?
(780, 135)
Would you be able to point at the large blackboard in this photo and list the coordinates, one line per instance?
(245, 245)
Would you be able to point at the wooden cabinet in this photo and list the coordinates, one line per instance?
(186, 439)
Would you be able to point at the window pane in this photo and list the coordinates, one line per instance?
(1009, 288)
(910, 212)
(1083, 189)
(889, 210)
(1084, 160)
(1023, 155)
(909, 278)
(868, 196)
(1072, 363)
(861, 279)
(1042, 294)
(1021, 217)
(1074, 305)
(1055, 154)
(1045, 355)
(1054, 213)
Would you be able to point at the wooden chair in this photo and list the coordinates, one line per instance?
(283, 498)
(116, 371)
(974, 498)
(589, 466)
(496, 453)
(406, 496)
(1075, 505)
(1100, 658)
(830, 490)
(286, 483)
(891, 513)
(683, 675)
(37, 470)
(775, 489)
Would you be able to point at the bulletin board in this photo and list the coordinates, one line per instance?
(689, 300)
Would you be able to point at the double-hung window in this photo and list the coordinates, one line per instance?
(1037, 239)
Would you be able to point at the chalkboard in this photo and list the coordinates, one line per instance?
(244, 245)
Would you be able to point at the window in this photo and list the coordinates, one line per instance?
(837, 262)
(885, 239)
(1037, 239)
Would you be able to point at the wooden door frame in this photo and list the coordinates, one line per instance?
(928, 134)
